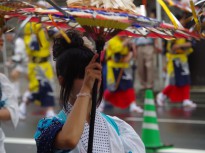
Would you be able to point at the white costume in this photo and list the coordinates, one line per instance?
(111, 135)
(20, 57)
(8, 101)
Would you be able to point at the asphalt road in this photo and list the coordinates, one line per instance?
(185, 129)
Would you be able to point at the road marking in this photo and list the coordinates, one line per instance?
(199, 105)
(169, 120)
(181, 150)
(20, 141)
(168, 105)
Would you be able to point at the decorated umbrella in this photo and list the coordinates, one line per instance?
(127, 21)
(102, 20)
(126, 16)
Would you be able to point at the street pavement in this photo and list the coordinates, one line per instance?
(180, 127)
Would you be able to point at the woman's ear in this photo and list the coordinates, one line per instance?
(61, 80)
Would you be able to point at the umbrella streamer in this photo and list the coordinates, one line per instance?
(61, 31)
(195, 16)
(168, 12)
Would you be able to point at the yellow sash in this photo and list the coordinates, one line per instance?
(115, 45)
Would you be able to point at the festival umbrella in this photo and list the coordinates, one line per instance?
(137, 23)
(131, 24)
(102, 21)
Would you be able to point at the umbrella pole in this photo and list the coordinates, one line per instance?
(99, 47)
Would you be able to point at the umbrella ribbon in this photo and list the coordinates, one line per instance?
(61, 31)
(195, 16)
(170, 15)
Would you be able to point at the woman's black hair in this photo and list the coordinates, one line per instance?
(71, 61)
(179, 16)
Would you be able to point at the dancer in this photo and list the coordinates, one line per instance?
(77, 70)
(40, 72)
(178, 75)
(120, 91)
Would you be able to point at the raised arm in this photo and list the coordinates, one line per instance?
(69, 136)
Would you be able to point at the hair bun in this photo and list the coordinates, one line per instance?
(60, 44)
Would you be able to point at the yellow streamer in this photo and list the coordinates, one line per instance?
(170, 2)
(170, 15)
(65, 36)
(195, 16)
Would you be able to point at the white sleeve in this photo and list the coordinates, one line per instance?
(130, 139)
(19, 46)
(11, 102)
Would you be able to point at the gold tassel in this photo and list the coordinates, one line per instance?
(65, 36)
(198, 27)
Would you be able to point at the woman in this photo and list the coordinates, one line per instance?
(77, 70)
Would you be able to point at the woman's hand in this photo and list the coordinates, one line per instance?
(93, 71)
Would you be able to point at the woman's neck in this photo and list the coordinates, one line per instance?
(72, 100)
